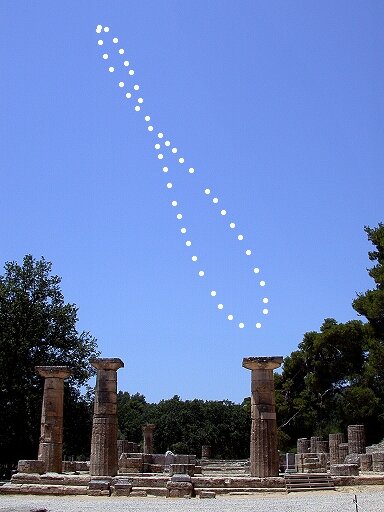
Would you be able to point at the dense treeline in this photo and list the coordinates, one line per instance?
(184, 426)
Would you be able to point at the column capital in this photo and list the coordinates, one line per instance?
(58, 372)
(149, 427)
(262, 363)
(107, 363)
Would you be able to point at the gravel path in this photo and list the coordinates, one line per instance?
(369, 500)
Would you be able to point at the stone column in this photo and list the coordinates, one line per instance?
(51, 437)
(264, 457)
(314, 446)
(122, 447)
(334, 448)
(303, 445)
(343, 451)
(148, 437)
(206, 451)
(104, 428)
(356, 439)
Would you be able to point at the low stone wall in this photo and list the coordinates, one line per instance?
(143, 485)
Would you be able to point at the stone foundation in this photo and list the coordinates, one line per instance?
(147, 485)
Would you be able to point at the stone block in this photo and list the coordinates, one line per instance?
(158, 458)
(148, 481)
(121, 486)
(82, 465)
(181, 459)
(181, 478)
(344, 469)
(98, 492)
(179, 489)
(188, 469)
(52, 479)
(157, 491)
(131, 465)
(121, 491)
(138, 494)
(26, 478)
(78, 480)
(101, 484)
(352, 458)
(207, 494)
(31, 466)
(155, 468)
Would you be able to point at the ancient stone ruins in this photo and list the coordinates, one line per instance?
(116, 467)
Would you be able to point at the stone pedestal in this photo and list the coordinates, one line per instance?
(148, 437)
(264, 456)
(104, 428)
(51, 436)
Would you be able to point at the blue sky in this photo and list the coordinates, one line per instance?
(277, 105)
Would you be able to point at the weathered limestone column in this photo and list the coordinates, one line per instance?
(148, 437)
(303, 445)
(343, 451)
(334, 448)
(264, 457)
(51, 436)
(104, 428)
(314, 446)
(356, 439)
(206, 451)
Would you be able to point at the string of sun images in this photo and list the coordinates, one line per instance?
(163, 149)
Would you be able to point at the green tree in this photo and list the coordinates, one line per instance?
(311, 388)
(184, 426)
(37, 328)
(336, 377)
(371, 303)
(132, 412)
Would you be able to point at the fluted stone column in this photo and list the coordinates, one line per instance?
(206, 451)
(356, 439)
(148, 437)
(104, 428)
(264, 457)
(303, 445)
(334, 448)
(51, 436)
